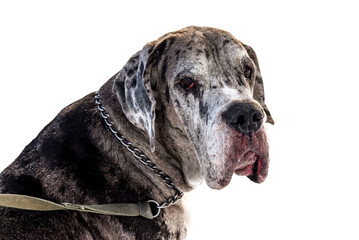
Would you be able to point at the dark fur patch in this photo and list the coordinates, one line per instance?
(225, 42)
(167, 94)
(23, 184)
(158, 51)
(142, 122)
(215, 50)
(178, 52)
(238, 76)
(207, 54)
(213, 86)
(160, 48)
(133, 59)
(226, 76)
(156, 226)
(170, 42)
(120, 87)
(259, 80)
(140, 70)
(154, 86)
(164, 69)
(178, 104)
(203, 109)
(129, 72)
(76, 153)
(133, 82)
(67, 149)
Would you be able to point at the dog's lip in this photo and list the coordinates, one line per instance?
(244, 166)
(245, 170)
(250, 165)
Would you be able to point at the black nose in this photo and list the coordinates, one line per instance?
(246, 118)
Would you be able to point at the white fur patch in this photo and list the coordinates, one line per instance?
(243, 94)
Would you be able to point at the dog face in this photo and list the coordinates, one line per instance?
(208, 86)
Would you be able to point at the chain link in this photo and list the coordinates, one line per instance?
(138, 154)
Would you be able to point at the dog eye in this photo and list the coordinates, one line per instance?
(187, 83)
(248, 72)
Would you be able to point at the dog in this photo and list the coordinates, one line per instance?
(191, 101)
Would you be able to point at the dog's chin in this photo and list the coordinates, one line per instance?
(219, 183)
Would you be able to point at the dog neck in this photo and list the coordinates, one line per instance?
(168, 163)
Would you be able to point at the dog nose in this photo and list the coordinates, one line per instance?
(246, 117)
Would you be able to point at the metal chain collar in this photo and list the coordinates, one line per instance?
(138, 154)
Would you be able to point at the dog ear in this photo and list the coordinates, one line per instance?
(133, 87)
(134, 92)
(258, 91)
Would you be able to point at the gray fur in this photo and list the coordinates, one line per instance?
(77, 159)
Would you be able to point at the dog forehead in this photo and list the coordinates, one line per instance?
(205, 41)
(209, 51)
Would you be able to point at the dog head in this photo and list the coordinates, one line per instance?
(209, 91)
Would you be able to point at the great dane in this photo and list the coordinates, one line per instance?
(191, 101)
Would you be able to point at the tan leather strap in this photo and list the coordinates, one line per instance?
(37, 204)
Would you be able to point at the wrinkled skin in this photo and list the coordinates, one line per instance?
(181, 125)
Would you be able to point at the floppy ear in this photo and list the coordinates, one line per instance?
(258, 91)
(133, 90)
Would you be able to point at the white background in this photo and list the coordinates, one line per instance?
(53, 53)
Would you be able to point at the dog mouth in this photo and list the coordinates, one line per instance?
(250, 165)
(253, 158)
(244, 156)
